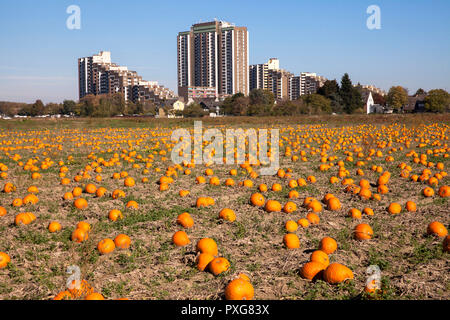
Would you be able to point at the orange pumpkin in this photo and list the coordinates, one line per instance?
(207, 245)
(239, 289)
(122, 241)
(106, 246)
(218, 266)
(337, 273)
(180, 238)
(436, 228)
(328, 245)
(312, 270)
(363, 232)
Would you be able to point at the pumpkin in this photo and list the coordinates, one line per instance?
(291, 241)
(315, 206)
(180, 238)
(24, 218)
(54, 226)
(312, 270)
(313, 218)
(63, 295)
(203, 260)
(363, 232)
(185, 220)
(293, 194)
(291, 226)
(207, 245)
(272, 206)
(321, 257)
(132, 204)
(290, 207)
(2, 211)
(428, 192)
(94, 296)
(100, 192)
(17, 202)
(4, 260)
(411, 206)
(328, 245)
(446, 244)
(394, 208)
(106, 246)
(257, 199)
(218, 265)
(77, 191)
(90, 188)
(436, 228)
(337, 273)
(276, 187)
(239, 289)
(115, 215)
(183, 193)
(81, 290)
(79, 235)
(83, 225)
(122, 241)
(227, 214)
(333, 204)
(354, 213)
(368, 211)
(444, 191)
(303, 222)
(80, 203)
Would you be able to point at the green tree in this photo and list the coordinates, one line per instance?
(317, 103)
(68, 107)
(397, 97)
(193, 110)
(350, 96)
(229, 104)
(261, 97)
(437, 100)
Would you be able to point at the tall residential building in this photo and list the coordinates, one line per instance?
(214, 54)
(98, 75)
(278, 81)
(259, 73)
(310, 82)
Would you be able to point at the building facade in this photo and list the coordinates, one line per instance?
(214, 54)
(259, 73)
(98, 75)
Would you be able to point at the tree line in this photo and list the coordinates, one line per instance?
(107, 105)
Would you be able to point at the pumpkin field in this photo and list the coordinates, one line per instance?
(358, 209)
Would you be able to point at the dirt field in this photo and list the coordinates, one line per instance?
(413, 264)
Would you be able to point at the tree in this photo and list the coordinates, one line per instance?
(317, 103)
(68, 107)
(378, 99)
(437, 100)
(229, 103)
(351, 97)
(420, 91)
(329, 88)
(193, 110)
(397, 97)
(261, 97)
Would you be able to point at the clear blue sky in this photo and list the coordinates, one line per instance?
(38, 54)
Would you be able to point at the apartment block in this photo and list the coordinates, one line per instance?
(215, 55)
(98, 75)
(278, 81)
(259, 73)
